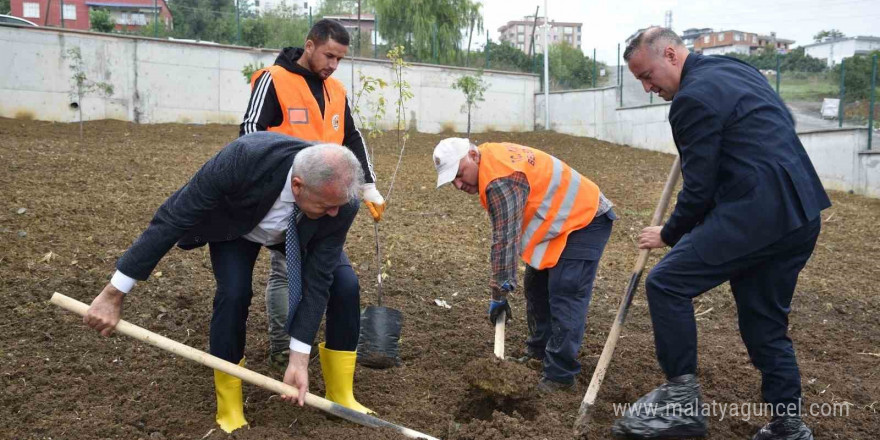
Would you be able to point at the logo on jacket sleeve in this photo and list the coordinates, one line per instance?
(335, 122)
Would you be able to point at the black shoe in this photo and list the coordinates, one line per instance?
(784, 428)
(547, 386)
(672, 410)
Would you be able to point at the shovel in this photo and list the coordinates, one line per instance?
(583, 419)
(144, 335)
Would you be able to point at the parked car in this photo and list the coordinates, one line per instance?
(8, 19)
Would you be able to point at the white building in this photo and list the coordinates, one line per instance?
(834, 51)
(295, 6)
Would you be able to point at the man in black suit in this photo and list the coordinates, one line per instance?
(748, 213)
(241, 200)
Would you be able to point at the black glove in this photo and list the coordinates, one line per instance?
(496, 307)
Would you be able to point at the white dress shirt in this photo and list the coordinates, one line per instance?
(270, 231)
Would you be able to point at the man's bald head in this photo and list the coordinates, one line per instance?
(656, 57)
(324, 178)
(655, 38)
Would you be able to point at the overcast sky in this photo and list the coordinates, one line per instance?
(607, 23)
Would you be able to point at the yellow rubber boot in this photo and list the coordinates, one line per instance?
(230, 408)
(338, 369)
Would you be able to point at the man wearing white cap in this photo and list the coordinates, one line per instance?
(557, 221)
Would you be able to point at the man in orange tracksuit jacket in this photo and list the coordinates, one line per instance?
(557, 221)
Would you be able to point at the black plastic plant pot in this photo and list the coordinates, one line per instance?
(380, 334)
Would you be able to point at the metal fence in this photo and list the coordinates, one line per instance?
(842, 96)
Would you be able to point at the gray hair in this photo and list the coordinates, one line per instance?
(656, 38)
(323, 164)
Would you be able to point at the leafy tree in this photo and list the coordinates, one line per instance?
(152, 30)
(857, 75)
(5, 7)
(474, 20)
(833, 34)
(426, 26)
(473, 88)
(503, 57)
(569, 68)
(798, 61)
(255, 32)
(248, 70)
(404, 92)
(794, 61)
(81, 85)
(368, 104)
(209, 20)
(285, 26)
(101, 20)
(341, 7)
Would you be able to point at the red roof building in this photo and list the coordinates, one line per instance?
(129, 15)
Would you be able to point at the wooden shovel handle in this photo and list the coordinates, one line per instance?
(623, 309)
(185, 351)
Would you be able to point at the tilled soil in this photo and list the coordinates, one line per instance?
(71, 206)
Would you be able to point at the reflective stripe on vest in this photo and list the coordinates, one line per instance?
(302, 116)
(560, 200)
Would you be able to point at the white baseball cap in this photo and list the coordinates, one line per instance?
(447, 155)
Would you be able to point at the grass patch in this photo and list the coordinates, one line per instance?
(798, 87)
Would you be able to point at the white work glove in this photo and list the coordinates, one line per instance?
(375, 202)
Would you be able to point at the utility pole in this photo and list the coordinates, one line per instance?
(594, 67)
(238, 22)
(486, 48)
(842, 92)
(359, 34)
(532, 52)
(871, 108)
(546, 68)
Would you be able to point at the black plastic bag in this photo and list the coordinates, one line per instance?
(380, 333)
(672, 410)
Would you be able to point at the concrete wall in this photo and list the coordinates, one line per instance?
(837, 154)
(841, 160)
(594, 113)
(158, 81)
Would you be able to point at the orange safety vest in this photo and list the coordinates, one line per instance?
(302, 116)
(560, 200)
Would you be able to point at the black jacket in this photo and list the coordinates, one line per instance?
(264, 111)
(226, 199)
(747, 179)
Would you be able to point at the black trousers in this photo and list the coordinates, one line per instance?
(762, 283)
(558, 298)
(233, 265)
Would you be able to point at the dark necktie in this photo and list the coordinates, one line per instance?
(294, 264)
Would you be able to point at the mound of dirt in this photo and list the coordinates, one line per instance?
(502, 378)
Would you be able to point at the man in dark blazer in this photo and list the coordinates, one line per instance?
(240, 201)
(748, 213)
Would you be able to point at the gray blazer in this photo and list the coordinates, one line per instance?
(226, 199)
